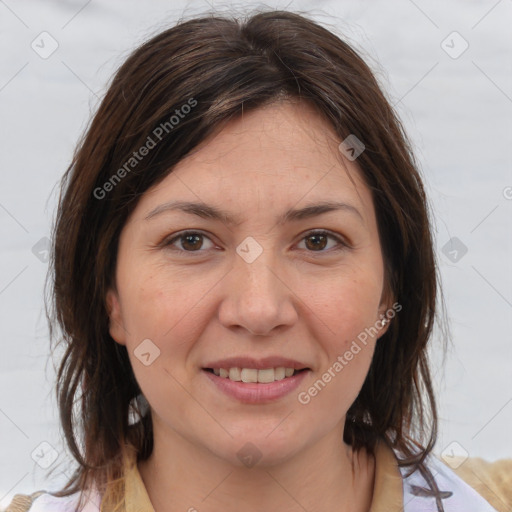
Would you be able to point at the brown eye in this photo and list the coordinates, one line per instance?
(188, 241)
(317, 241)
(192, 242)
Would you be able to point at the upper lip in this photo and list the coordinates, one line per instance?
(258, 364)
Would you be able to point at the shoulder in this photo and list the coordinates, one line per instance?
(22, 502)
(43, 501)
(492, 480)
(464, 484)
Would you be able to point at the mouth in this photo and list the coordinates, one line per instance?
(254, 375)
(255, 385)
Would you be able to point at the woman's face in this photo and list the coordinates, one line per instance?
(261, 291)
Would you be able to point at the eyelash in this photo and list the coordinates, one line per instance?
(342, 244)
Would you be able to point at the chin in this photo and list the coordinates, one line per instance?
(257, 449)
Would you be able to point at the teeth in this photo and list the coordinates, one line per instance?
(235, 374)
(253, 375)
(249, 375)
(266, 375)
(280, 373)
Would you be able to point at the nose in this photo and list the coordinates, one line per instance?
(258, 297)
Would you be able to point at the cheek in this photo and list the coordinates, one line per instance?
(170, 311)
(331, 393)
(159, 304)
(163, 311)
(345, 306)
(345, 315)
(332, 389)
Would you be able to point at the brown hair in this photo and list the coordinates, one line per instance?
(219, 66)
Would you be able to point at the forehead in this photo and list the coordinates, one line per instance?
(274, 139)
(267, 159)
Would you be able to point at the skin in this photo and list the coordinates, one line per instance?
(294, 300)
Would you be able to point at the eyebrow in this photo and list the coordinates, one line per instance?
(211, 212)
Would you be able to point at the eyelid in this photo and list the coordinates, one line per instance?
(341, 240)
(168, 241)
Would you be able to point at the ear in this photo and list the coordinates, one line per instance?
(387, 311)
(116, 326)
(383, 322)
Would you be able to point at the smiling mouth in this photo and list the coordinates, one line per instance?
(248, 375)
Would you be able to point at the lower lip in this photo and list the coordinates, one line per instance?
(255, 392)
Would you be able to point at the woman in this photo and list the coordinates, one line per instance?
(243, 272)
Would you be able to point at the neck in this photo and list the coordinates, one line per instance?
(327, 476)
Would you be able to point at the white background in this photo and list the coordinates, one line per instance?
(458, 113)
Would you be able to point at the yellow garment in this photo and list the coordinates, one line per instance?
(493, 481)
